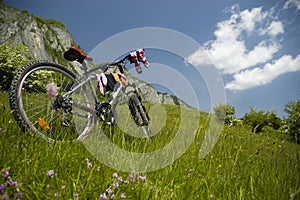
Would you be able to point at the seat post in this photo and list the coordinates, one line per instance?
(84, 67)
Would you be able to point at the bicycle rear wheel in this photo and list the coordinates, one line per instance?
(37, 99)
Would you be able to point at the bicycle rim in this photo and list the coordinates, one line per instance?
(36, 94)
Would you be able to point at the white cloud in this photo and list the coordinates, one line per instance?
(249, 66)
(249, 18)
(261, 76)
(289, 3)
(275, 28)
(200, 57)
(229, 51)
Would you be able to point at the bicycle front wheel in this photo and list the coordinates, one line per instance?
(139, 114)
(38, 101)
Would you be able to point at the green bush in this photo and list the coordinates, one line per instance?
(292, 123)
(257, 120)
(225, 113)
(12, 57)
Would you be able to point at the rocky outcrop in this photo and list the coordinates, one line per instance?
(46, 39)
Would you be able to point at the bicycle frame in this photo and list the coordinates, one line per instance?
(89, 76)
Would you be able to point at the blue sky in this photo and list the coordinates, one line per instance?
(254, 44)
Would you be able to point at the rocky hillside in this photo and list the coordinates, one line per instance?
(48, 39)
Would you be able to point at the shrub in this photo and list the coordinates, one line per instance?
(259, 119)
(12, 57)
(225, 113)
(292, 123)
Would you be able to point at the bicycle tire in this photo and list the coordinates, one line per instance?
(35, 108)
(139, 113)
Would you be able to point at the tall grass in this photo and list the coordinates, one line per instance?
(241, 165)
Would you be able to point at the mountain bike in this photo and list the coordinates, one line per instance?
(58, 104)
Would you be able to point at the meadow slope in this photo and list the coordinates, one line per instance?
(242, 165)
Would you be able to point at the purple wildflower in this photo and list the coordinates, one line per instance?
(5, 173)
(19, 195)
(131, 177)
(120, 179)
(116, 185)
(89, 165)
(56, 194)
(142, 178)
(14, 183)
(123, 196)
(126, 182)
(109, 191)
(63, 187)
(115, 175)
(2, 186)
(51, 89)
(9, 183)
(76, 195)
(4, 197)
(103, 196)
(50, 173)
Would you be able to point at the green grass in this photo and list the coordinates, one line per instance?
(241, 165)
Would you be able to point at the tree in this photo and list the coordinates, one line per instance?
(12, 57)
(259, 119)
(255, 119)
(225, 113)
(293, 120)
(273, 120)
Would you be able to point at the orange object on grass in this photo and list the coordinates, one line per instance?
(43, 124)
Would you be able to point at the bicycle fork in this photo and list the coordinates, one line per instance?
(113, 98)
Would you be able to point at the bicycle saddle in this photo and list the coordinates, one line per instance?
(73, 53)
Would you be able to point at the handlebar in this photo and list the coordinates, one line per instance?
(133, 57)
(116, 63)
(119, 63)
